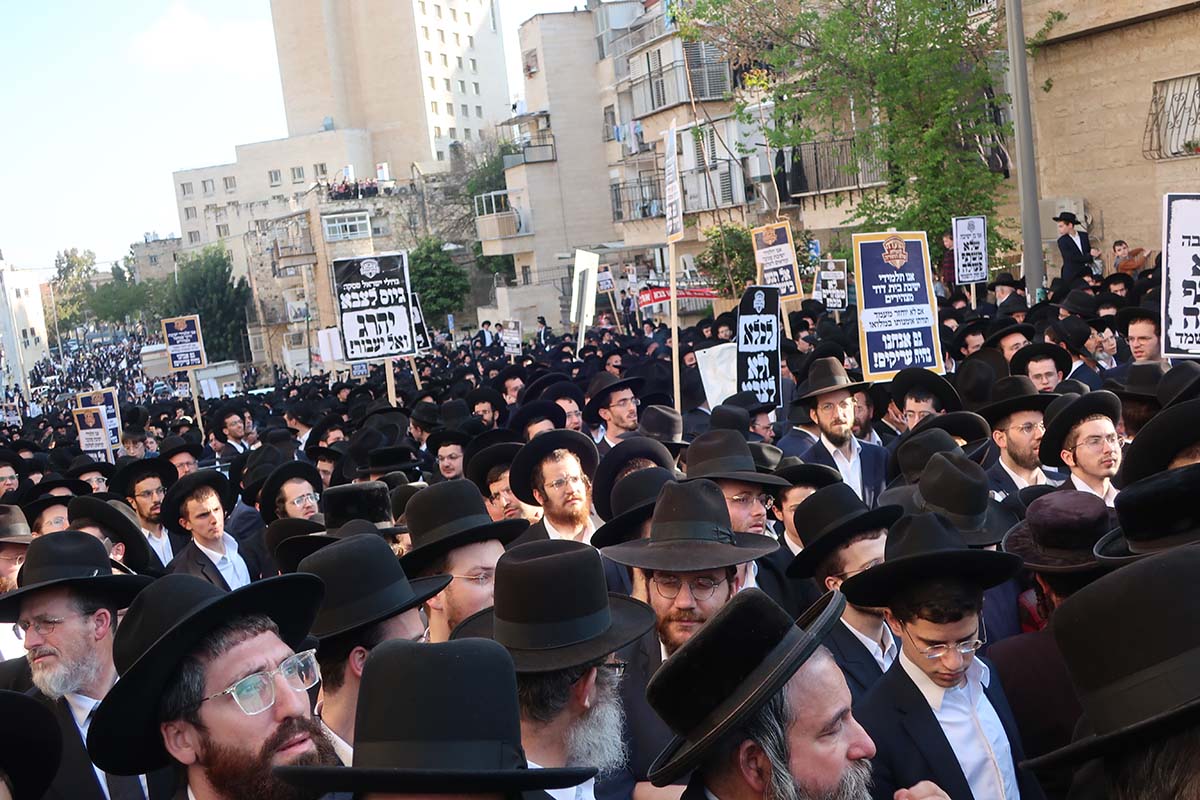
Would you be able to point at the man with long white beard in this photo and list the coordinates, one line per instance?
(65, 607)
(562, 639)
(772, 724)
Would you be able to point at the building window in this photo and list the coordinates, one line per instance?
(154, 261)
(320, 170)
(275, 177)
(193, 237)
(466, 112)
(428, 57)
(450, 109)
(1173, 127)
(297, 174)
(454, 15)
(185, 189)
(447, 83)
(432, 82)
(437, 131)
(466, 133)
(526, 275)
(475, 87)
(223, 231)
(339, 227)
(441, 36)
(231, 184)
(441, 156)
(462, 86)
(453, 132)
(218, 212)
(189, 212)
(492, 15)
(479, 111)
(425, 31)
(433, 106)
(459, 59)
(468, 13)
(208, 185)
(437, 11)
(457, 39)
(474, 65)
(471, 42)
(446, 61)
(421, 4)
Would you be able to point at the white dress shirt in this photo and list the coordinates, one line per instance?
(584, 791)
(555, 533)
(851, 469)
(82, 708)
(884, 657)
(161, 544)
(972, 729)
(343, 749)
(1109, 497)
(231, 566)
(787, 540)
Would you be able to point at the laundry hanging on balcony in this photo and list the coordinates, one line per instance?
(798, 181)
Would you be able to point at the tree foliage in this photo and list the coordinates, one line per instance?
(73, 270)
(912, 84)
(119, 300)
(442, 284)
(206, 287)
(727, 264)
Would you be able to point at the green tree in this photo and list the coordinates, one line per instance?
(910, 86)
(728, 261)
(118, 300)
(206, 287)
(72, 272)
(442, 284)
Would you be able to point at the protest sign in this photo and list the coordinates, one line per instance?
(583, 288)
(511, 337)
(420, 332)
(185, 343)
(93, 436)
(106, 400)
(672, 192)
(374, 306)
(653, 295)
(775, 255)
(897, 318)
(970, 250)
(604, 281)
(360, 369)
(12, 415)
(718, 371)
(1181, 276)
(758, 334)
(831, 283)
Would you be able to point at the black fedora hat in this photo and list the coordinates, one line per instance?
(631, 505)
(910, 378)
(766, 456)
(1013, 304)
(663, 424)
(690, 531)
(30, 745)
(1012, 394)
(1081, 302)
(1059, 532)
(449, 515)
(955, 487)
(965, 425)
(172, 503)
(120, 525)
(1001, 327)
(725, 455)
(1067, 216)
(830, 517)
(1073, 332)
(1135, 678)
(485, 460)
(602, 385)
(800, 473)
(42, 502)
(284, 530)
(273, 485)
(423, 413)
(1166, 435)
(975, 327)
(1004, 279)
(520, 473)
(383, 460)
(1065, 412)
(72, 559)
(1019, 365)
(703, 694)
(163, 626)
(1141, 383)
(1138, 313)
(536, 410)
(364, 583)
(730, 418)
(924, 547)
(368, 500)
(553, 609)
(912, 452)
(828, 375)
(436, 719)
(174, 445)
(121, 482)
(82, 465)
(614, 463)
(1154, 514)
(445, 436)
(563, 389)
(1180, 384)
(489, 438)
(974, 381)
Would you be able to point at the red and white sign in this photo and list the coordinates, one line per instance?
(661, 294)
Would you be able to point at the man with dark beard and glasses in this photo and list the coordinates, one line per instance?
(772, 724)
(562, 638)
(690, 561)
(66, 607)
(554, 471)
(211, 684)
(1016, 415)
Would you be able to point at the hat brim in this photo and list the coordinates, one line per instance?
(690, 555)
(271, 487)
(905, 381)
(323, 780)
(591, 411)
(614, 461)
(119, 590)
(1168, 433)
(631, 619)
(877, 586)
(195, 450)
(995, 412)
(759, 478)
(1022, 328)
(1112, 550)
(1019, 541)
(166, 471)
(682, 755)
(124, 737)
(805, 563)
(520, 472)
(504, 531)
(422, 590)
(1098, 402)
(859, 386)
(815, 475)
(1019, 364)
(625, 526)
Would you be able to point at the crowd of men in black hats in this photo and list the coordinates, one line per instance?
(535, 576)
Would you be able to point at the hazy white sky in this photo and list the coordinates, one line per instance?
(103, 100)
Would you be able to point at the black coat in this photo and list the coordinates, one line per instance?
(910, 745)
(1088, 377)
(874, 467)
(191, 561)
(15, 675)
(858, 665)
(534, 533)
(178, 542)
(76, 778)
(794, 594)
(795, 442)
(1076, 260)
(695, 423)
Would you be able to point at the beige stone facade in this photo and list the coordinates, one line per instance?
(23, 338)
(154, 258)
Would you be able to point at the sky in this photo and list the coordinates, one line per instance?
(103, 101)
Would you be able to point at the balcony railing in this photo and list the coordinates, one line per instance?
(641, 199)
(622, 46)
(654, 91)
(830, 166)
(1173, 125)
(535, 149)
(719, 185)
(496, 217)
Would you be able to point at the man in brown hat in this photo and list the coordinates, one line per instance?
(15, 537)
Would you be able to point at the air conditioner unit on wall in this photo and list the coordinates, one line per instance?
(1050, 207)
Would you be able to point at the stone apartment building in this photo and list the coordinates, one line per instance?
(154, 258)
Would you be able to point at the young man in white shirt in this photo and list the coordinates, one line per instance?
(1081, 436)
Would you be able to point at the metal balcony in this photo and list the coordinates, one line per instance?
(659, 89)
(641, 199)
(496, 217)
(718, 185)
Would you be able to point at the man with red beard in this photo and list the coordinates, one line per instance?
(690, 560)
(65, 608)
(211, 683)
(1016, 414)
(554, 471)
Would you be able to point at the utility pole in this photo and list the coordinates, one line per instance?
(1031, 224)
(54, 307)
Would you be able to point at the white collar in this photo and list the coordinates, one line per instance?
(555, 533)
(977, 673)
(1109, 497)
(231, 549)
(81, 707)
(855, 447)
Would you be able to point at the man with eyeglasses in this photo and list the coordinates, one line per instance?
(1081, 436)
(212, 688)
(15, 538)
(554, 471)
(1016, 416)
(95, 474)
(939, 714)
(65, 610)
(291, 491)
(567, 672)
(196, 505)
(12, 467)
(612, 403)
(447, 446)
(691, 561)
(182, 453)
(144, 484)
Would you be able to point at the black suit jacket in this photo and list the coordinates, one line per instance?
(76, 778)
(1001, 484)
(15, 675)
(534, 533)
(1076, 260)
(191, 561)
(858, 665)
(1088, 377)
(795, 442)
(794, 594)
(178, 542)
(874, 467)
(910, 745)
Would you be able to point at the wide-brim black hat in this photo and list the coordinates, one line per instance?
(163, 626)
(520, 473)
(632, 504)
(174, 445)
(975, 326)
(911, 378)
(825, 375)
(1168, 433)
(278, 540)
(1065, 413)
(449, 515)
(997, 332)
(801, 473)
(535, 410)
(82, 465)
(444, 436)
(271, 487)
(749, 623)
(482, 462)
(30, 745)
(842, 516)
(601, 388)
(396, 458)
(34, 508)
(616, 459)
(119, 526)
(1019, 364)
(173, 501)
(1059, 533)
(536, 575)
(722, 454)
(118, 484)
(1022, 397)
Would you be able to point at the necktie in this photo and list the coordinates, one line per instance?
(124, 787)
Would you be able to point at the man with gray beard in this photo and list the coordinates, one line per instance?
(65, 608)
(554, 615)
(774, 723)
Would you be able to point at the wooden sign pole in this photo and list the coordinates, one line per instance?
(196, 400)
(675, 358)
(412, 363)
(389, 366)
